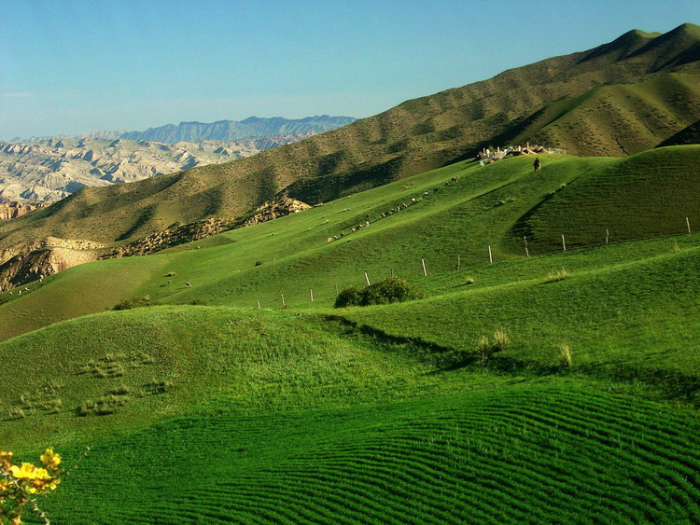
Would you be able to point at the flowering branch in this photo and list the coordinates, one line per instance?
(19, 485)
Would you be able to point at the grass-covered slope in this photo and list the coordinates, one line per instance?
(620, 98)
(523, 454)
(447, 224)
(386, 413)
(645, 195)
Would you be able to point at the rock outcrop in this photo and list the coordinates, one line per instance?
(28, 262)
(278, 207)
(12, 210)
(173, 236)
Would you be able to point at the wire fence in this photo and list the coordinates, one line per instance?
(423, 268)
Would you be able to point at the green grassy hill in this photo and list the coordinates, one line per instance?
(620, 98)
(384, 413)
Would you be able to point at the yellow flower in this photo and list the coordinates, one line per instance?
(4, 485)
(5, 460)
(42, 473)
(50, 459)
(52, 484)
(26, 471)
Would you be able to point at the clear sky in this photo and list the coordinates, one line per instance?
(70, 66)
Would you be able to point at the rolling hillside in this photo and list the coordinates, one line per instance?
(547, 372)
(249, 409)
(620, 98)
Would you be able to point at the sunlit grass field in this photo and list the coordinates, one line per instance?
(260, 404)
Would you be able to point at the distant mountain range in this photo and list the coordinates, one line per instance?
(618, 99)
(45, 170)
(231, 130)
(224, 130)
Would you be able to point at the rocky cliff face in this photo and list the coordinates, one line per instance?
(15, 209)
(28, 262)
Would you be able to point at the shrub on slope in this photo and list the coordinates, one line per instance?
(389, 290)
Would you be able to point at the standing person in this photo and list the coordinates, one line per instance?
(536, 166)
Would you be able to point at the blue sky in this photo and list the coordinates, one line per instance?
(69, 66)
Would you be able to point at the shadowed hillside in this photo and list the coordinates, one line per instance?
(620, 98)
(689, 135)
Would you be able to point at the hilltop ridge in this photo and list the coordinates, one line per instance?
(614, 100)
(231, 130)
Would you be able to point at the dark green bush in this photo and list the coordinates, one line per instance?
(199, 302)
(349, 297)
(138, 302)
(390, 290)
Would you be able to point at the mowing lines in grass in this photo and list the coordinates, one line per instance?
(526, 453)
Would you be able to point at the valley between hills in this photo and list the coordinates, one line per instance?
(405, 319)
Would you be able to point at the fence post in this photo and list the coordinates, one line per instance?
(425, 270)
(312, 295)
(458, 262)
(258, 304)
(283, 303)
(490, 255)
(563, 241)
(336, 289)
(527, 252)
(367, 279)
(687, 221)
(607, 236)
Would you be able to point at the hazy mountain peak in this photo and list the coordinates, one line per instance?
(231, 130)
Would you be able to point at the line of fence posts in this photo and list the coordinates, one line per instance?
(459, 262)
